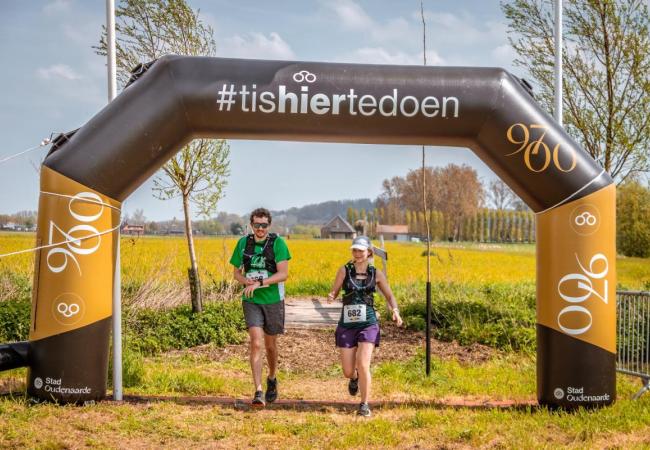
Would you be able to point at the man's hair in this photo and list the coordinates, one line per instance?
(261, 212)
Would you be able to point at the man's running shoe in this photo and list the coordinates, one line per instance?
(364, 410)
(353, 386)
(271, 390)
(258, 400)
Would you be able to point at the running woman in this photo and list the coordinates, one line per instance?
(357, 333)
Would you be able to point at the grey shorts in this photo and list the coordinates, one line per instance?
(268, 317)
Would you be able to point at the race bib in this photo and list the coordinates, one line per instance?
(258, 274)
(354, 313)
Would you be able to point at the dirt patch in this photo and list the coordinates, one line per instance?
(8, 385)
(309, 349)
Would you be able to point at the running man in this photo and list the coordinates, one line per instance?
(261, 265)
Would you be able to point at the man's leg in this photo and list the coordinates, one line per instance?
(273, 326)
(271, 345)
(256, 335)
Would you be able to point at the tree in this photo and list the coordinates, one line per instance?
(145, 31)
(352, 215)
(138, 217)
(633, 219)
(453, 190)
(500, 195)
(236, 228)
(606, 92)
(390, 201)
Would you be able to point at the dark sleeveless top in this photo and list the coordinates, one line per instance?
(357, 292)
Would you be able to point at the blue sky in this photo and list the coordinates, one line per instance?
(52, 81)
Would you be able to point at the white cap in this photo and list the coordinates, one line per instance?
(361, 243)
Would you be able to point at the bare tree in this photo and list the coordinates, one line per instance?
(500, 195)
(138, 217)
(145, 31)
(606, 73)
(453, 190)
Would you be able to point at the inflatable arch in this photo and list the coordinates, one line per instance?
(87, 175)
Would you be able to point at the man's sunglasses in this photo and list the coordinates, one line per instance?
(257, 226)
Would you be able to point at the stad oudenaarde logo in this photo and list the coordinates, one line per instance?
(574, 394)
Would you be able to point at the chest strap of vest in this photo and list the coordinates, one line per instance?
(267, 253)
(354, 290)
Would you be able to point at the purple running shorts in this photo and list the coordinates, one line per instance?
(350, 337)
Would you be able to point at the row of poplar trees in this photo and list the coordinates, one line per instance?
(486, 225)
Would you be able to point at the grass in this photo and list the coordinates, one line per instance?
(478, 269)
(155, 424)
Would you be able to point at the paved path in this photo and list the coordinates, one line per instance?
(311, 313)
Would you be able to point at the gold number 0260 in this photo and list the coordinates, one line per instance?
(534, 147)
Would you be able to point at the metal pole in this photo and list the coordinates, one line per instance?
(110, 49)
(557, 113)
(426, 213)
(117, 280)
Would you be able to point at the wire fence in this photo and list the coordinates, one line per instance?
(633, 336)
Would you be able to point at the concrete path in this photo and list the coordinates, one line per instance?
(311, 313)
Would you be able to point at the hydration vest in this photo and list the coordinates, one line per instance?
(359, 291)
(267, 253)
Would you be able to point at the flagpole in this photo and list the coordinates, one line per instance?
(557, 113)
(117, 281)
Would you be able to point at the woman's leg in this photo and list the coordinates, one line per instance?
(364, 356)
(348, 361)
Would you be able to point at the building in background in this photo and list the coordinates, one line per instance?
(393, 232)
(338, 228)
(137, 230)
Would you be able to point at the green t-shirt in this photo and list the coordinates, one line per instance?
(269, 294)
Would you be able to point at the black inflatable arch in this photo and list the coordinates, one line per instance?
(176, 99)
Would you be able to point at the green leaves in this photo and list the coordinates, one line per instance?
(606, 60)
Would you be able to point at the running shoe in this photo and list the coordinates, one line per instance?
(353, 386)
(364, 410)
(258, 400)
(271, 390)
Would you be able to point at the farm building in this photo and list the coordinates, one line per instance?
(393, 232)
(338, 228)
(132, 229)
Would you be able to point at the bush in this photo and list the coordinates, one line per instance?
(152, 331)
(14, 320)
(149, 331)
(500, 316)
(132, 367)
(633, 219)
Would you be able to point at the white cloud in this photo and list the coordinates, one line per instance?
(351, 14)
(463, 29)
(57, 71)
(379, 55)
(86, 33)
(504, 54)
(57, 6)
(256, 45)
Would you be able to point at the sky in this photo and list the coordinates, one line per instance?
(52, 81)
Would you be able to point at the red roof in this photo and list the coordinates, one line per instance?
(395, 229)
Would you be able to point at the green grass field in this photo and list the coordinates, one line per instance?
(170, 424)
(473, 275)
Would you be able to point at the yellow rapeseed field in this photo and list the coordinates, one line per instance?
(314, 262)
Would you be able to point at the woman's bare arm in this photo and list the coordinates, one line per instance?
(338, 283)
